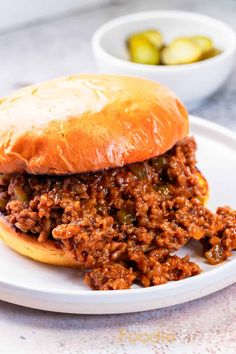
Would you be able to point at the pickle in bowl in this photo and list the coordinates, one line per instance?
(181, 51)
(154, 36)
(205, 43)
(148, 47)
(212, 53)
(143, 51)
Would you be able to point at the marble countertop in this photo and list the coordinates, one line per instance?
(60, 47)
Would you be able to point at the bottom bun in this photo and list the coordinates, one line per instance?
(48, 252)
(45, 252)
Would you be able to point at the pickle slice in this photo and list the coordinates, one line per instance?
(154, 37)
(212, 53)
(181, 51)
(142, 51)
(204, 43)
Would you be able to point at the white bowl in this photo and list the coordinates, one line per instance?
(191, 82)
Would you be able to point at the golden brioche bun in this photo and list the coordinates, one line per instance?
(86, 123)
(28, 246)
(47, 252)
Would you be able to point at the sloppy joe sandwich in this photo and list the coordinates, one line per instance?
(98, 172)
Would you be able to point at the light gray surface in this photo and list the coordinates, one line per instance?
(63, 47)
(206, 326)
(16, 13)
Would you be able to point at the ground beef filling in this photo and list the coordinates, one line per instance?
(123, 225)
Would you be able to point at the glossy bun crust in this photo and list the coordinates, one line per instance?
(87, 122)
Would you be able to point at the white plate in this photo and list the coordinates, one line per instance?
(30, 284)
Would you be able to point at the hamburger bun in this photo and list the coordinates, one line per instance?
(28, 246)
(85, 123)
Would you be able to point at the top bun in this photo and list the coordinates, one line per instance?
(87, 122)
